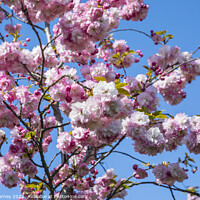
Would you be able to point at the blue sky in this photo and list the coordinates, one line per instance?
(180, 18)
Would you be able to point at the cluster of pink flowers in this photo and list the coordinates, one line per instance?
(7, 118)
(192, 140)
(50, 57)
(103, 107)
(16, 164)
(169, 174)
(171, 84)
(98, 69)
(13, 59)
(189, 70)
(118, 54)
(66, 89)
(6, 82)
(67, 55)
(165, 57)
(171, 88)
(174, 130)
(139, 173)
(39, 11)
(102, 187)
(13, 29)
(88, 22)
(134, 10)
(101, 112)
(29, 102)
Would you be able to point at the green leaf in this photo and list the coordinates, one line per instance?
(99, 78)
(170, 36)
(39, 186)
(149, 72)
(100, 43)
(123, 91)
(116, 55)
(18, 36)
(124, 54)
(30, 134)
(131, 51)
(12, 34)
(125, 186)
(120, 85)
(143, 109)
(161, 32)
(162, 116)
(158, 112)
(113, 181)
(191, 159)
(146, 67)
(47, 97)
(129, 182)
(31, 185)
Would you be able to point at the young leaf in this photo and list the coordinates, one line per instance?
(120, 85)
(116, 55)
(162, 116)
(99, 78)
(123, 91)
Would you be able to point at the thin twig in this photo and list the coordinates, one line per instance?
(130, 156)
(112, 193)
(196, 50)
(173, 70)
(51, 41)
(57, 126)
(107, 154)
(21, 120)
(39, 40)
(131, 29)
(172, 193)
(57, 170)
(53, 159)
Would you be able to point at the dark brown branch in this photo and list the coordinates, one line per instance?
(39, 40)
(57, 170)
(108, 153)
(53, 159)
(131, 29)
(20, 119)
(57, 126)
(172, 193)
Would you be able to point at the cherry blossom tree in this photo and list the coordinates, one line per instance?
(75, 82)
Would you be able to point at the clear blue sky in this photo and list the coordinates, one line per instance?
(180, 18)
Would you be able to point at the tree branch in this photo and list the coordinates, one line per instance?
(107, 154)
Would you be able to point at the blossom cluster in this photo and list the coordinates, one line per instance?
(192, 140)
(39, 11)
(172, 82)
(169, 174)
(102, 105)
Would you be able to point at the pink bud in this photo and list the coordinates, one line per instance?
(92, 162)
(137, 60)
(28, 39)
(24, 44)
(135, 167)
(68, 88)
